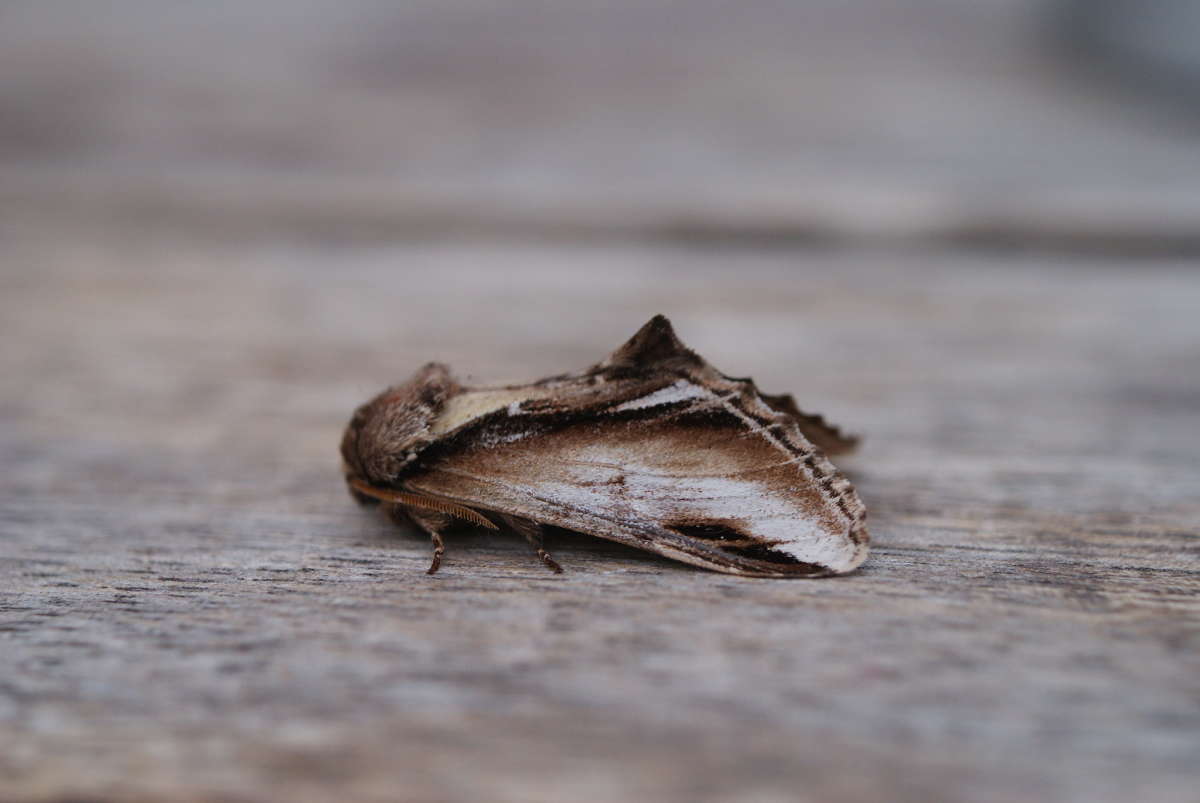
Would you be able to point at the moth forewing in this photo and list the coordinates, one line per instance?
(652, 447)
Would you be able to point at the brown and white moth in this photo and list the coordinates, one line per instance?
(653, 447)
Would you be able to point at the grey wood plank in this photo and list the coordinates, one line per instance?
(191, 608)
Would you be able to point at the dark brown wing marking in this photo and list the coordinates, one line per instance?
(825, 436)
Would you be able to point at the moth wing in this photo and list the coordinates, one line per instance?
(679, 470)
(655, 347)
(825, 436)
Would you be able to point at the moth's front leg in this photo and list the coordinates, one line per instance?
(534, 534)
(432, 522)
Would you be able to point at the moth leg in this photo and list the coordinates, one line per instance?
(533, 533)
(432, 522)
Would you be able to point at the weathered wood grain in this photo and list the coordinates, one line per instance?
(191, 607)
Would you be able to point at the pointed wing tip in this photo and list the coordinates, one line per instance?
(840, 568)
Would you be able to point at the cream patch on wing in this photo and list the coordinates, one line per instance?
(680, 391)
(647, 493)
(474, 404)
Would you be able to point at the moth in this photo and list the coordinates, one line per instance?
(653, 448)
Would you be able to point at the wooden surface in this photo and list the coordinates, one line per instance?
(206, 263)
(193, 607)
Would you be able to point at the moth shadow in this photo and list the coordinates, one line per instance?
(569, 547)
(571, 544)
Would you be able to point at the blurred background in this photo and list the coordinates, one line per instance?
(994, 120)
(968, 231)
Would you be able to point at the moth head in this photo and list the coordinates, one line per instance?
(385, 435)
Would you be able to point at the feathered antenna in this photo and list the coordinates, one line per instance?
(421, 501)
